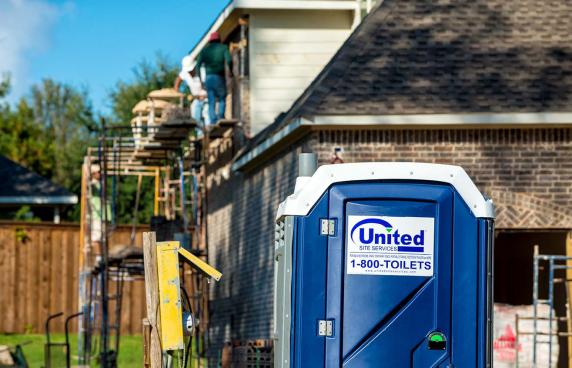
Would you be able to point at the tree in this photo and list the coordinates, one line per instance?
(147, 77)
(23, 141)
(66, 117)
(48, 132)
(4, 85)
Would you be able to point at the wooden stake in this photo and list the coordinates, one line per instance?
(152, 296)
(157, 194)
(146, 343)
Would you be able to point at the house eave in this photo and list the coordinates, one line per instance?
(435, 121)
(297, 4)
(463, 120)
(270, 5)
(39, 200)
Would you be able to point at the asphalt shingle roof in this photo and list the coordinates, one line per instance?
(24, 185)
(451, 56)
(447, 56)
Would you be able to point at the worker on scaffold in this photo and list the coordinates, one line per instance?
(216, 58)
(192, 77)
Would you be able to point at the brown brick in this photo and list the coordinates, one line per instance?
(527, 172)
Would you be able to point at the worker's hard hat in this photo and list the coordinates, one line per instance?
(215, 36)
(188, 63)
(95, 168)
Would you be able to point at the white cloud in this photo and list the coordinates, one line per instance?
(25, 27)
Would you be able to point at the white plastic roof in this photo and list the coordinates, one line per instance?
(310, 189)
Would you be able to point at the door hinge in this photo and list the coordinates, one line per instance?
(328, 227)
(325, 327)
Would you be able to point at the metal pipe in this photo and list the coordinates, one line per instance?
(307, 164)
(47, 326)
(535, 304)
(136, 209)
(551, 305)
(104, 255)
(156, 196)
(68, 355)
(517, 332)
(183, 195)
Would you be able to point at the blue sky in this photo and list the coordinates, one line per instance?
(94, 43)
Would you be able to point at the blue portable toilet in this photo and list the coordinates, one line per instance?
(384, 265)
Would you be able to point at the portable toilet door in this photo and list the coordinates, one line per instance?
(384, 265)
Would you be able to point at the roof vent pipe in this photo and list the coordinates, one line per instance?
(307, 164)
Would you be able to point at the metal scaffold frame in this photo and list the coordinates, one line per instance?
(175, 158)
(554, 264)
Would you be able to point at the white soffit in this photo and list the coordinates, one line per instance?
(302, 201)
(448, 119)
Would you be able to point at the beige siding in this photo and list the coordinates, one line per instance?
(288, 49)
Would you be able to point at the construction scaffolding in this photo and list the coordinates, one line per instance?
(557, 268)
(165, 145)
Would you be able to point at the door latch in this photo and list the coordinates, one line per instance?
(328, 227)
(325, 328)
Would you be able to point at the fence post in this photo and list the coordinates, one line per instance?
(152, 296)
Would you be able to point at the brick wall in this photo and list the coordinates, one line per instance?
(242, 208)
(528, 173)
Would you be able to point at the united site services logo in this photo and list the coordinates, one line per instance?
(379, 232)
(390, 245)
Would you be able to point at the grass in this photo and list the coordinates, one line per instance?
(130, 350)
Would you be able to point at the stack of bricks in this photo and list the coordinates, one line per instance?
(248, 354)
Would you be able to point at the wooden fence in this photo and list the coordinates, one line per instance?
(39, 276)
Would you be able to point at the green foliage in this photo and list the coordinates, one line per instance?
(49, 131)
(66, 117)
(28, 329)
(25, 214)
(146, 78)
(22, 235)
(4, 85)
(22, 139)
(127, 193)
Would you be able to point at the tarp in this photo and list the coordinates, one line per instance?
(510, 344)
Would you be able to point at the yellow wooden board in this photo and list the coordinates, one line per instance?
(170, 296)
(170, 306)
(201, 265)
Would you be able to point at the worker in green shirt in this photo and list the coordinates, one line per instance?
(215, 57)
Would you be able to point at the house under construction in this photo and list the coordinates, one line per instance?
(480, 84)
